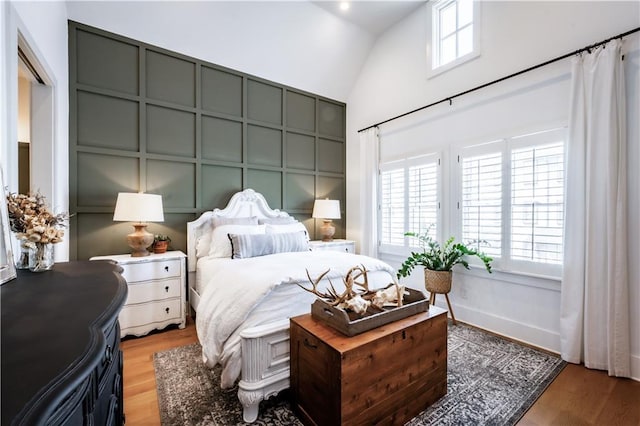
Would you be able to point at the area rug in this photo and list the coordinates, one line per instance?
(491, 381)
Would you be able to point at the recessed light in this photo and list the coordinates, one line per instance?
(344, 5)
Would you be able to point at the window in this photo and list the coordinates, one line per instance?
(537, 202)
(512, 201)
(392, 207)
(455, 32)
(482, 202)
(409, 200)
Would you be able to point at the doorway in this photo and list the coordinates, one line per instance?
(35, 125)
(26, 77)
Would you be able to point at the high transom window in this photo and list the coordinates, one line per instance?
(455, 33)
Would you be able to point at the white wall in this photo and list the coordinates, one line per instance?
(43, 25)
(514, 36)
(292, 43)
(5, 115)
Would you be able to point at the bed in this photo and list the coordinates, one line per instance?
(244, 292)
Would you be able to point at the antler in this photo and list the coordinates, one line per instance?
(361, 272)
(332, 296)
(352, 299)
(314, 284)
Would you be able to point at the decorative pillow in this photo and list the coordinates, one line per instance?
(292, 227)
(220, 245)
(244, 246)
(219, 221)
(277, 220)
(203, 244)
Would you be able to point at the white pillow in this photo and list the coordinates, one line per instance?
(291, 227)
(220, 244)
(286, 220)
(253, 245)
(203, 244)
(219, 221)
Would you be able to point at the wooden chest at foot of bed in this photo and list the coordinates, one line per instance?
(387, 375)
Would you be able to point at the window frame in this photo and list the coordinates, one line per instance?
(405, 164)
(498, 146)
(505, 262)
(433, 50)
(537, 139)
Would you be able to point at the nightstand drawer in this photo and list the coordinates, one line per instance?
(156, 283)
(145, 271)
(149, 313)
(345, 246)
(146, 291)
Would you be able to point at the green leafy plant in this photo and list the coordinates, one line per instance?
(440, 258)
(157, 238)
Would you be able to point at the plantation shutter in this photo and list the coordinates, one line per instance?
(423, 199)
(392, 213)
(481, 203)
(409, 191)
(537, 201)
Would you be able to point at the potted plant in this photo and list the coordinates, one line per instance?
(160, 243)
(438, 262)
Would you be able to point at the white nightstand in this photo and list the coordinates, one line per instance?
(157, 291)
(347, 246)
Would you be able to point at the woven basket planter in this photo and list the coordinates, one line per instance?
(437, 281)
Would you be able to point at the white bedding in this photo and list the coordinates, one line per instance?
(204, 269)
(242, 293)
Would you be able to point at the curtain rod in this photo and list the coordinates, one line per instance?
(482, 86)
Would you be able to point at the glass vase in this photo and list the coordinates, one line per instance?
(22, 261)
(41, 257)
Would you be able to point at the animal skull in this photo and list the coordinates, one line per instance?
(388, 296)
(357, 304)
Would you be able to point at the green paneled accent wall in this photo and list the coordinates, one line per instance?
(142, 118)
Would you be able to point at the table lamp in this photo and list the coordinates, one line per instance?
(326, 210)
(139, 208)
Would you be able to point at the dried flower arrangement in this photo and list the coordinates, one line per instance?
(32, 221)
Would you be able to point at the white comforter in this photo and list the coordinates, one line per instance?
(232, 298)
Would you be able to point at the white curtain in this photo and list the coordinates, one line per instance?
(369, 152)
(594, 322)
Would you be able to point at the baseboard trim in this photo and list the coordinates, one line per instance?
(526, 334)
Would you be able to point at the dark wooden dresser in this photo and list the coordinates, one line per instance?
(384, 376)
(60, 346)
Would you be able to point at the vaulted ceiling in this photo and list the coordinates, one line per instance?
(303, 44)
(374, 17)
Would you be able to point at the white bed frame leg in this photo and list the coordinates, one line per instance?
(265, 365)
(250, 403)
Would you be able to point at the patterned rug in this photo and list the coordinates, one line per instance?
(491, 381)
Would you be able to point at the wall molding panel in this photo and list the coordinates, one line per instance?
(142, 118)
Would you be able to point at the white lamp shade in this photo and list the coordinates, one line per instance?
(326, 209)
(138, 207)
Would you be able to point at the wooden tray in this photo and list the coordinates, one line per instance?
(350, 323)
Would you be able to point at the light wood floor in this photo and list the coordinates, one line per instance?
(578, 396)
(140, 398)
